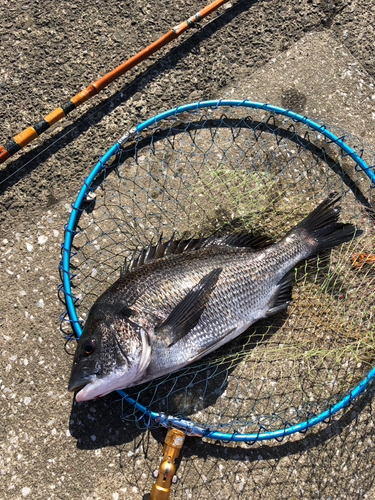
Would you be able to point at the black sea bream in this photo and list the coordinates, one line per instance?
(180, 300)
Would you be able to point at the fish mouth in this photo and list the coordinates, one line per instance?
(77, 385)
(89, 387)
(76, 388)
(94, 387)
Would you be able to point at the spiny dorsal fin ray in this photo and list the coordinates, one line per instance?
(174, 247)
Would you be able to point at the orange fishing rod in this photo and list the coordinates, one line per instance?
(29, 134)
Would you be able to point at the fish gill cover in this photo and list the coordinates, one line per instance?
(222, 170)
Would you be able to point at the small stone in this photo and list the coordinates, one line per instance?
(42, 239)
(25, 491)
(29, 247)
(93, 437)
(94, 272)
(40, 303)
(27, 400)
(119, 35)
(25, 7)
(55, 233)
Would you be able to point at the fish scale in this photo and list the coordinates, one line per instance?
(243, 294)
(181, 299)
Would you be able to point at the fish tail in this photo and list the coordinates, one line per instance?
(322, 226)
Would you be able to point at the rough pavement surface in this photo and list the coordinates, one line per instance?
(314, 57)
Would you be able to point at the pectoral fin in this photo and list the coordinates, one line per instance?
(186, 314)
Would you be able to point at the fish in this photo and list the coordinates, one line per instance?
(179, 300)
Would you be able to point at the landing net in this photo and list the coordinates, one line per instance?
(228, 166)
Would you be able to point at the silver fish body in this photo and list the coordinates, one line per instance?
(246, 290)
(167, 311)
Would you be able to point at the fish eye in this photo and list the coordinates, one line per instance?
(88, 347)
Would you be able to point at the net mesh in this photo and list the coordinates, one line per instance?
(230, 169)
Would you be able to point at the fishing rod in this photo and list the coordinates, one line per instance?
(20, 140)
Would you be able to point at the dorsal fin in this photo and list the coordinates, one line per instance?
(174, 247)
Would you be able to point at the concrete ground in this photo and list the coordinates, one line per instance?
(314, 57)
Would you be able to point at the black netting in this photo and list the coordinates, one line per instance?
(199, 171)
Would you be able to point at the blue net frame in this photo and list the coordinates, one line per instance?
(163, 419)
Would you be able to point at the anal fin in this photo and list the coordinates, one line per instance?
(283, 294)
